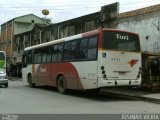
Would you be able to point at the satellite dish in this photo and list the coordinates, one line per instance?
(45, 12)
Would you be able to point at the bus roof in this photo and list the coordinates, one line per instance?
(86, 34)
(82, 35)
(3, 52)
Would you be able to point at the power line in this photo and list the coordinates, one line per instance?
(61, 9)
(70, 5)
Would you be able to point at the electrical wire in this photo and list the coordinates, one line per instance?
(62, 7)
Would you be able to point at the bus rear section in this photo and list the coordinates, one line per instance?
(119, 60)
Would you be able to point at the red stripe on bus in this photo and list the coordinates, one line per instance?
(48, 73)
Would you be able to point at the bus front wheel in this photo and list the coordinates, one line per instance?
(62, 85)
(30, 81)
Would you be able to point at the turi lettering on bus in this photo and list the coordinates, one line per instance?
(122, 37)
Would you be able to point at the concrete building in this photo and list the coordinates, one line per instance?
(13, 27)
(105, 17)
(145, 22)
(44, 33)
(40, 33)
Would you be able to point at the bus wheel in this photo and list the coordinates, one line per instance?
(31, 84)
(6, 85)
(62, 85)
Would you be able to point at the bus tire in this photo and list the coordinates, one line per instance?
(30, 81)
(62, 85)
(6, 85)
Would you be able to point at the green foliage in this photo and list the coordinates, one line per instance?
(2, 63)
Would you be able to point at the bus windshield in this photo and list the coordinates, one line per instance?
(123, 41)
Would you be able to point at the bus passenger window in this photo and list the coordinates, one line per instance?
(59, 52)
(82, 52)
(54, 53)
(66, 51)
(73, 54)
(29, 57)
(48, 57)
(44, 57)
(92, 48)
(37, 56)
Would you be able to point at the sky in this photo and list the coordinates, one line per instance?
(61, 10)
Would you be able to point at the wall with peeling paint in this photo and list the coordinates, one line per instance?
(147, 25)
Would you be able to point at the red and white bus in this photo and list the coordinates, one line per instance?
(91, 60)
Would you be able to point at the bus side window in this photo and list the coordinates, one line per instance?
(48, 55)
(66, 51)
(92, 48)
(74, 47)
(37, 56)
(44, 54)
(29, 57)
(54, 53)
(60, 52)
(82, 52)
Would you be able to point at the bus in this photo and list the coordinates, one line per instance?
(3, 74)
(88, 61)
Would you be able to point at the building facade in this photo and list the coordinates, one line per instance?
(13, 27)
(145, 22)
(39, 34)
(44, 33)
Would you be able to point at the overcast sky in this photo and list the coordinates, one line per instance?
(61, 10)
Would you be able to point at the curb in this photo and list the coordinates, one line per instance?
(136, 97)
(154, 100)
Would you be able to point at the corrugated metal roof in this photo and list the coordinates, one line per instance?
(141, 11)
